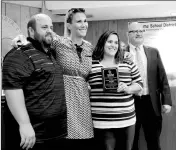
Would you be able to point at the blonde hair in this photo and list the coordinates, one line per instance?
(68, 19)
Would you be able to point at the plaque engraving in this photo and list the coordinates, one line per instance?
(110, 78)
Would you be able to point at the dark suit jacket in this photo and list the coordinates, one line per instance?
(159, 89)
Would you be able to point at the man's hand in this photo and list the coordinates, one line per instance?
(54, 35)
(19, 40)
(27, 136)
(166, 109)
(128, 57)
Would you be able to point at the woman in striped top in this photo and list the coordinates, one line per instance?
(113, 112)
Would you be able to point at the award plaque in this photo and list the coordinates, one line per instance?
(110, 78)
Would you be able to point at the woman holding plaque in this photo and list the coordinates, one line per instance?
(113, 82)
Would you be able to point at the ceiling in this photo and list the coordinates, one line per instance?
(107, 10)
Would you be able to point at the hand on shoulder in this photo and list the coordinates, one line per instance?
(19, 40)
(128, 57)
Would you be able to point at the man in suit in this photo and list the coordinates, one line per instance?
(155, 98)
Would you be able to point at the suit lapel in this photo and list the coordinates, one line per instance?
(149, 57)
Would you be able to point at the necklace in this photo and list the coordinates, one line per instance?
(79, 50)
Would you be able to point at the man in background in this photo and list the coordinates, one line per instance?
(155, 98)
(34, 90)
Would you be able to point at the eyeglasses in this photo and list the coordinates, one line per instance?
(75, 10)
(136, 31)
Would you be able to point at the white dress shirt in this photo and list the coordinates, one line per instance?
(145, 90)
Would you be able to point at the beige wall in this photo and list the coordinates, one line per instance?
(96, 28)
(19, 14)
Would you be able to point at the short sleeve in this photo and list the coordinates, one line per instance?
(136, 78)
(16, 70)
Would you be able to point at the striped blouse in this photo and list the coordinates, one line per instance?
(113, 109)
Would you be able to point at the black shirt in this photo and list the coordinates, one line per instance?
(40, 77)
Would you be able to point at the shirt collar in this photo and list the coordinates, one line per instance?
(37, 45)
(132, 47)
(71, 42)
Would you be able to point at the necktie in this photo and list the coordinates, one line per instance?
(140, 64)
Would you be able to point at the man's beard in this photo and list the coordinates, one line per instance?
(43, 40)
(47, 45)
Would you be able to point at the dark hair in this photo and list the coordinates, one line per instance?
(98, 52)
(32, 24)
(73, 11)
